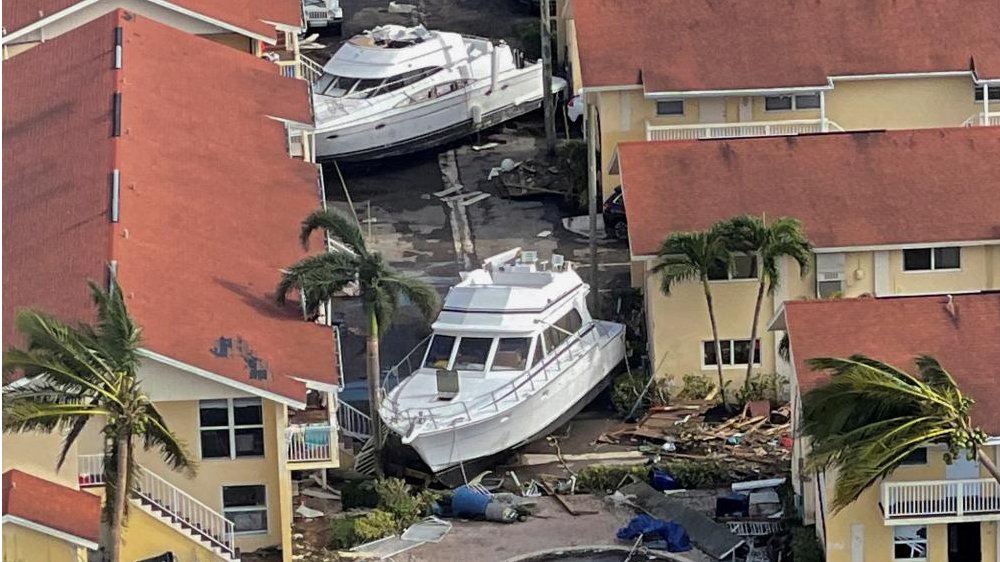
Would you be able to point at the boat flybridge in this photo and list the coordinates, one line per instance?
(394, 90)
(513, 355)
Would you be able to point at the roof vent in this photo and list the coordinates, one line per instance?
(118, 47)
(116, 115)
(115, 193)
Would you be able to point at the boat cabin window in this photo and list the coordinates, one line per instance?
(570, 322)
(439, 352)
(511, 355)
(472, 354)
(345, 86)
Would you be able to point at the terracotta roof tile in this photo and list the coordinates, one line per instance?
(691, 45)
(849, 189)
(53, 505)
(210, 200)
(249, 15)
(896, 330)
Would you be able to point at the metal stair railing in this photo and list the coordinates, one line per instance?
(170, 502)
(353, 422)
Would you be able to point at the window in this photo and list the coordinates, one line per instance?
(231, 428)
(570, 322)
(246, 507)
(439, 352)
(734, 352)
(928, 259)
(829, 289)
(511, 355)
(918, 456)
(744, 267)
(472, 354)
(994, 93)
(671, 107)
(792, 103)
(829, 275)
(909, 542)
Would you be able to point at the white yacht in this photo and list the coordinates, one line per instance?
(394, 90)
(513, 355)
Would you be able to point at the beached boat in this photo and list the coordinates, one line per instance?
(395, 90)
(513, 355)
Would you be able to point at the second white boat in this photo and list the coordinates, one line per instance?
(395, 90)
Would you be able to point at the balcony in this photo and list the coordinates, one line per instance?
(981, 119)
(734, 130)
(940, 501)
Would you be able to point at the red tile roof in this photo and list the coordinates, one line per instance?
(691, 45)
(248, 15)
(896, 330)
(849, 189)
(52, 505)
(210, 200)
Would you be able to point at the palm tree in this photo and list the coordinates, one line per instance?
(690, 256)
(870, 416)
(320, 277)
(769, 243)
(75, 374)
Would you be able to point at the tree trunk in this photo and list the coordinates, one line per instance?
(374, 389)
(987, 462)
(715, 337)
(121, 496)
(753, 333)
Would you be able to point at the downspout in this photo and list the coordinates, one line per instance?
(986, 107)
(824, 127)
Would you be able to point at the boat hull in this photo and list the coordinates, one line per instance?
(533, 417)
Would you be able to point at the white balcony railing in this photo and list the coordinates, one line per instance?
(940, 498)
(304, 68)
(732, 130)
(170, 502)
(310, 443)
(983, 120)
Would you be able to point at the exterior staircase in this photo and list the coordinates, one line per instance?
(172, 506)
(358, 425)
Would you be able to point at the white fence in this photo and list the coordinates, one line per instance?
(734, 130)
(933, 498)
(309, 443)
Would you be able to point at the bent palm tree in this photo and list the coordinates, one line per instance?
(870, 416)
(319, 278)
(769, 242)
(690, 256)
(77, 373)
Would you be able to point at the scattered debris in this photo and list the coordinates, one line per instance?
(430, 529)
(486, 146)
(398, 8)
(308, 512)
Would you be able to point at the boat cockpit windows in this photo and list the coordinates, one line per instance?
(439, 352)
(511, 354)
(570, 322)
(345, 86)
(472, 354)
(539, 351)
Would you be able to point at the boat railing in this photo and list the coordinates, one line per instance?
(406, 367)
(521, 387)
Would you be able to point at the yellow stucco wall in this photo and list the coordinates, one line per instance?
(146, 537)
(877, 537)
(975, 274)
(26, 545)
(901, 103)
(36, 453)
(212, 474)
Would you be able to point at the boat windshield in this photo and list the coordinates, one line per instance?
(439, 352)
(359, 88)
(512, 354)
(472, 354)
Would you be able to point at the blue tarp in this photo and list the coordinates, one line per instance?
(656, 529)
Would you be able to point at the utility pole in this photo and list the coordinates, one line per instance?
(547, 101)
(590, 130)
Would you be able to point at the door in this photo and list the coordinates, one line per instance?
(857, 543)
(746, 109)
(964, 542)
(712, 110)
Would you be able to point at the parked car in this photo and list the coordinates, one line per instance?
(615, 223)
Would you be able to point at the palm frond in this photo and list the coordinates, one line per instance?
(689, 256)
(172, 449)
(340, 227)
(319, 277)
(420, 294)
(119, 337)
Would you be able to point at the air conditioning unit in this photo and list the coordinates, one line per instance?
(829, 276)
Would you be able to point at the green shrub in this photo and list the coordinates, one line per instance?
(691, 475)
(626, 388)
(397, 498)
(605, 478)
(342, 534)
(762, 386)
(805, 545)
(375, 525)
(696, 386)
